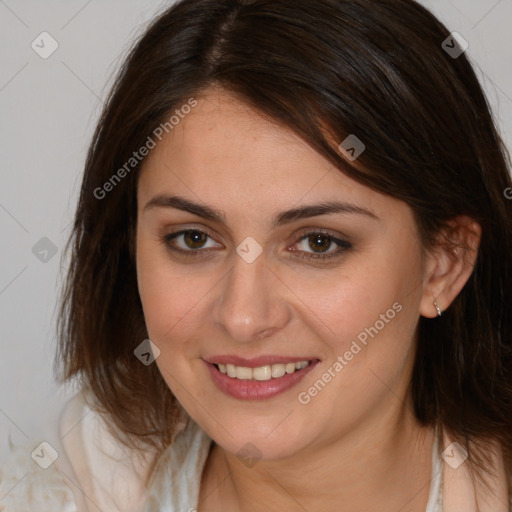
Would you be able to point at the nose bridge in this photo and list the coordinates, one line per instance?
(250, 305)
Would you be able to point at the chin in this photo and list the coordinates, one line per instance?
(249, 439)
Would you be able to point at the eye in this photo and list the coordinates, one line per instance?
(192, 240)
(191, 243)
(321, 242)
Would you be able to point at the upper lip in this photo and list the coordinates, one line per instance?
(257, 361)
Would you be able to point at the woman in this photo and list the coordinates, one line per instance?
(290, 271)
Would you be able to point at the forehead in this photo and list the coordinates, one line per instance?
(225, 152)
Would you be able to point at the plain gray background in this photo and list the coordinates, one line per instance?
(48, 111)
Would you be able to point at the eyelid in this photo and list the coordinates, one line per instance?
(342, 243)
(341, 237)
(303, 231)
(166, 239)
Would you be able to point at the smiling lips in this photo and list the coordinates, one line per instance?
(265, 372)
(259, 378)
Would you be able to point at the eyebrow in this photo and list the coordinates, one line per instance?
(285, 217)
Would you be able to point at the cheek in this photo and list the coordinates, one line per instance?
(169, 300)
(368, 313)
(173, 298)
(164, 293)
(378, 291)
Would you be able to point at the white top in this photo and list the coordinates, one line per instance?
(92, 472)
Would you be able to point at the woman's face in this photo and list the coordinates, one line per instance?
(339, 289)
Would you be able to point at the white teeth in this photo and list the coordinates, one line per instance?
(261, 372)
(243, 373)
(290, 367)
(277, 370)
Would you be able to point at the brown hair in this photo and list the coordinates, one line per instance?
(325, 69)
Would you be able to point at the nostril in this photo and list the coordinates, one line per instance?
(265, 333)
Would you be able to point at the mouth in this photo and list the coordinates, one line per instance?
(258, 382)
(261, 373)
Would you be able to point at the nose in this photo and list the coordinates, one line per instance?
(252, 302)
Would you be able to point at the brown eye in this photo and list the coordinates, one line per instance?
(189, 242)
(194, 239)
(320, 243)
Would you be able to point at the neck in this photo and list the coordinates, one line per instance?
(383, 465)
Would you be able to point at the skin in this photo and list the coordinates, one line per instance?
(356, 446)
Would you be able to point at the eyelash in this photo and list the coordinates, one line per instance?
(343, 245)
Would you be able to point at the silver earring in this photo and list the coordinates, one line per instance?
(439, 312)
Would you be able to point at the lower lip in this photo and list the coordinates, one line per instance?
(255, 389)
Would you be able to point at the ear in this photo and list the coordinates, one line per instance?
(449, 264)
